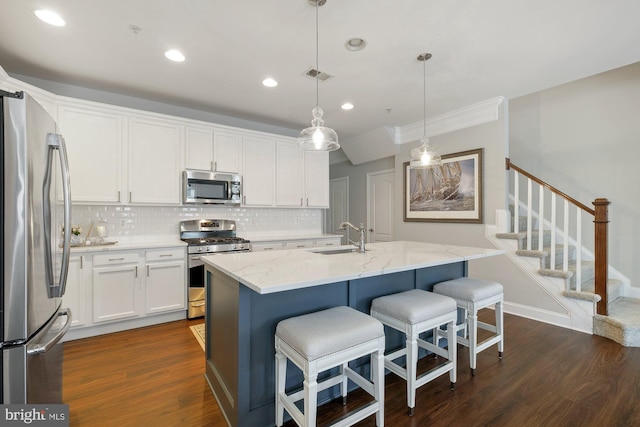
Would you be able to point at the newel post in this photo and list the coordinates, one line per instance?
(601, 221)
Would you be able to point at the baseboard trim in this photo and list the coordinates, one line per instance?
(550, 317)
(117, 326)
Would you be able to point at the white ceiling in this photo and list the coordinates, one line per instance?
(481, 49)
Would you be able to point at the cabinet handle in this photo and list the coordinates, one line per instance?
(300, 246)
(165, 255)
(148, 268)
(213, 167)
(118, 196)
(301, 202)
(81, 262)
(307, 201)
(267, 249)
(116, 259)
(244, 200)
(129, 196)
(136, 271)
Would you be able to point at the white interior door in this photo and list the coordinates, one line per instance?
(380, 204)
(338, 205)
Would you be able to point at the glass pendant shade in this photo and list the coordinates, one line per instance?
(423, 156)
(317, 137)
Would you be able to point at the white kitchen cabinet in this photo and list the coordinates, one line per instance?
(258, 169)
(199, 148)
(94, 141)
(155, 161)
(227, 151)
(331, 241)
(213, 149)
(299, 244)
(289, 175)
(76, 291)
(316, 167)
(165, 279)
(117, 286)
(266, 246)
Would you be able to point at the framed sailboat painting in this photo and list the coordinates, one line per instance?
(451, 192)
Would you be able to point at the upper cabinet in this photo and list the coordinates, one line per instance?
(316, 179)
(289, 175)
(94, 141)
(155, 161)
(213, 149)
(258, 169)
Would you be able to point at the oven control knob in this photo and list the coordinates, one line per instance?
(199, 249)
(238, 246)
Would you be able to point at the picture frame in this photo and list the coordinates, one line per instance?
(451, 192)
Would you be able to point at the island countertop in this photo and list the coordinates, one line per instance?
(276, 271)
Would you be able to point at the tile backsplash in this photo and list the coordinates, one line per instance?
(131, 222)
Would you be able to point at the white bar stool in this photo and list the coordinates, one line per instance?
(413, 312)
(472, 295)
(323, 340)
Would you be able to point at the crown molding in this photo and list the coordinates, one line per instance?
(472, 115)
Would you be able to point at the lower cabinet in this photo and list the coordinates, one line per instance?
(165, 288)
(76, 291)
(115, 286)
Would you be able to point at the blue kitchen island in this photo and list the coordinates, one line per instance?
(249, 293)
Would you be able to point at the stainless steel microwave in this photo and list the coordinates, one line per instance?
(206, 187)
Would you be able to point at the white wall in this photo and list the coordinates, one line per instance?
(583, 138)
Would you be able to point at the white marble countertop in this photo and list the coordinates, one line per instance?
(131, 244)
(279, 238)
(277, 271)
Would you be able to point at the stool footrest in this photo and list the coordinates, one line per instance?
(487, 327)
(488, 343)
(434, 373)
(358, 415)
(362, 382)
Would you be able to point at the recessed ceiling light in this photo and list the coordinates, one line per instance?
(347, 106)
(50, 17)
(174, 55)
(355, 44)
(269, 82)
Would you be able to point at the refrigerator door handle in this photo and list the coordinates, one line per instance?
(39, 348)
(56, 142)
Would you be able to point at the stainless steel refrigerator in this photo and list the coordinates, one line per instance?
(36, 237)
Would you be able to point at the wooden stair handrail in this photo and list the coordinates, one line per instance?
(550, 187)
(601, 221)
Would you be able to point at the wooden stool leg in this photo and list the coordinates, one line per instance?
(281, 378)
(377, 376)
(412, 367)
(500, 327)
(472, 325)
(452, 348)
(310, 398)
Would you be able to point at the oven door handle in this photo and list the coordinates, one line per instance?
(195, 261)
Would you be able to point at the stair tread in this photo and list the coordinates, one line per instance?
(626, 311)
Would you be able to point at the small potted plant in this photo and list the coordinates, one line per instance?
(76, 231)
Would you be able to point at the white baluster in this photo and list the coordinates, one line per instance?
(529, 195)
(578, 249)
(565, 229)
(516, 203)
(541, 220)
(552, 262)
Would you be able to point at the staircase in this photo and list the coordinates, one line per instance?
(554, 257)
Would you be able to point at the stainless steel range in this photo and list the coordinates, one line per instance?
(207, 237)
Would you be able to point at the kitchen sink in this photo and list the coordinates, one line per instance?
(334, 251)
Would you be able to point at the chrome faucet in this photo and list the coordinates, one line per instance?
(360, 244)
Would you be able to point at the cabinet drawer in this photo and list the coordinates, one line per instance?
(329, 242)
(256, 247)
(115, 258)
(298, 244)
(165, 254)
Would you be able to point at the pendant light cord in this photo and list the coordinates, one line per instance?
(424, 97)
(317, 55)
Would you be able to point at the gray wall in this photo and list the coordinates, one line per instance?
(583, 138)
(492, 137)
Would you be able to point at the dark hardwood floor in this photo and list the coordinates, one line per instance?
(549, 376)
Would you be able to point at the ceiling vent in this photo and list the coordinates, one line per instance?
(321, 75)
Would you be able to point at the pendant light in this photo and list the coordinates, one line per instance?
(318, 137)
(423, 156)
